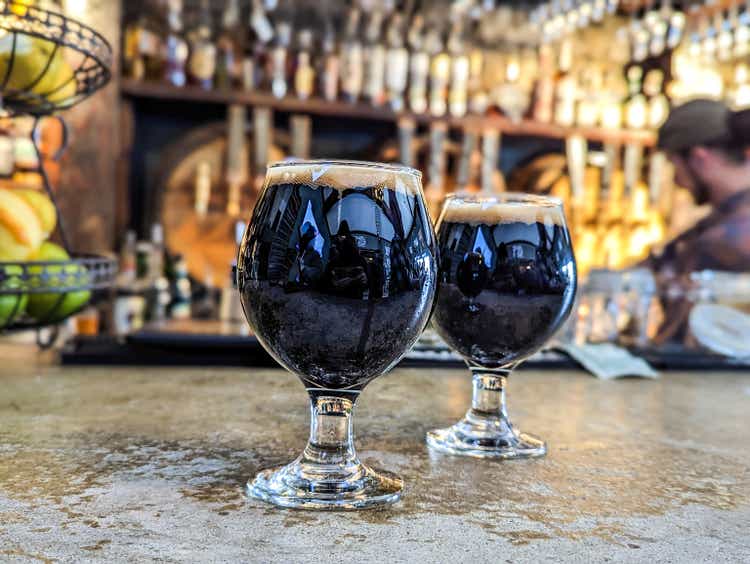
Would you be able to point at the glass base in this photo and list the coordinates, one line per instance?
(302, 485)
(467, 439)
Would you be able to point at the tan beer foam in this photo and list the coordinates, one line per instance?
(344, 176)
(493, 213)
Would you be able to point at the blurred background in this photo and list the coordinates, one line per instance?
(162, 167)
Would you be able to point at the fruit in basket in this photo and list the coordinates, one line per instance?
(21, 231)
(54, 307)
(43, 207)
(11, 305)
(38, 66)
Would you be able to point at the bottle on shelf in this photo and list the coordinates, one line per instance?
(329, 66)
(658, 104)
(419, 66)
(176, 46)
(374, 60)
(352, 62)
(228, 47)
(440, 72)
(142, 49)
(255, 60)
(544, 91)
(396, 63)
(202, 60)
(279, 59)
(636, 106)
(128, 266)
(458, 90)
(304, 72)
(477, 92)
(180, 306)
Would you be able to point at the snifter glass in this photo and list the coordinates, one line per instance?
(337, 273)
(507, 282)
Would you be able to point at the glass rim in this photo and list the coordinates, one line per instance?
(365, 165)
(505, 198)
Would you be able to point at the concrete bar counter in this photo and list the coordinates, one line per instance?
(140, 464)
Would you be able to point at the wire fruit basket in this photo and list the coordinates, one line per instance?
(38, 294)
(48, 63)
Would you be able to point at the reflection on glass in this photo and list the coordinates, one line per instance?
(507, 283)
(337, 274)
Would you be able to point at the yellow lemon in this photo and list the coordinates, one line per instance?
(43, 207)
(21, 232)
(36, 66)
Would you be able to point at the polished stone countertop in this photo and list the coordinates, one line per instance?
(115, 464)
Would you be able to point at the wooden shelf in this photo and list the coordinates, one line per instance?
(318, 106)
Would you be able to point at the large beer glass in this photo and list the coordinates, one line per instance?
(507, 282)
(337, 273)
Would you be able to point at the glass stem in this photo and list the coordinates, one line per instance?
(488, 398)
(331, 436)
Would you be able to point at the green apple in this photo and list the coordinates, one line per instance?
(11, 305)
(54, 307)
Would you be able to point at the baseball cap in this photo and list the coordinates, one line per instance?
(698, 122)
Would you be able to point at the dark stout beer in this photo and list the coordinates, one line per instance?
(337, 270)
(506, 281)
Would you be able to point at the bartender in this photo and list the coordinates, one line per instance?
(709, 146)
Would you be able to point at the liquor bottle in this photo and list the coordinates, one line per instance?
(565, 100)
(615, 91)
(478, 99)
(228, 51)
(278, 60)
(566, 93)
(255, 60)
(202, 61)
(176, 46)
(133, 65)
(636, 107)
(329, 66)
(406, 128)
(352, 63)
(128, 265)
(304, 73)
(458, 91)
(374, 60)
(419, 66)
(396, 63)
(742, 33)
(658, 105)
(725, 37)
(440, 70)
(202, 188)
(544, 93)
(181, 298)
(590, 96)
